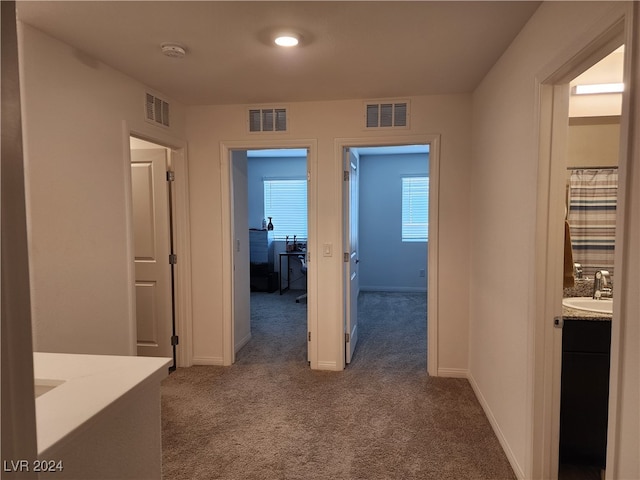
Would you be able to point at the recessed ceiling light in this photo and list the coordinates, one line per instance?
(173, 50)
(287, 40)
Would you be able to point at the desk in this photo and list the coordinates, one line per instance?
(288, 255)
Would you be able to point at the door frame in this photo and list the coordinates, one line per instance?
(181, 234)
(546, 341)
(228, 275)
(433, 140)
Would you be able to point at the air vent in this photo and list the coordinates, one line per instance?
(267, 120)
(156, 110)
(387, 115)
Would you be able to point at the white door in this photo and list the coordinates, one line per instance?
(154, 310)
(241, 267)
(352, 280)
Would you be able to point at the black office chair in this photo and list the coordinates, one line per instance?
(303, 269)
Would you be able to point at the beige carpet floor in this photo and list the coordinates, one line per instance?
(270, 417)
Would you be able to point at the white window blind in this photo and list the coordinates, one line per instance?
(285, 201)
(415, 209)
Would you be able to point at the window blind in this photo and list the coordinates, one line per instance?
(285, 201)
(415, 209)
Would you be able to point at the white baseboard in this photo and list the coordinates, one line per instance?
(393, 289)
(453, 372)
(208, 361)
(243, 342)
(496, 428)
(328, 366)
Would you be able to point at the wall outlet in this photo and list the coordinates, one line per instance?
(422, 272)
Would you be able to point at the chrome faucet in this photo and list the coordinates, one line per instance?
(600, 288)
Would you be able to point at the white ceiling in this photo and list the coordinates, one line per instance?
(361, 49)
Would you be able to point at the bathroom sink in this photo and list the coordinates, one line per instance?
(604, 305)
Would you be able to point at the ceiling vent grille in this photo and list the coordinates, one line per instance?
(156, 110)
(387, 115)
(267, 120)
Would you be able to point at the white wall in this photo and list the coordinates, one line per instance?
(77, 186)
(386, 262)
(503, 216)
(207, 126)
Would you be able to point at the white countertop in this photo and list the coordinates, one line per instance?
(90, 384)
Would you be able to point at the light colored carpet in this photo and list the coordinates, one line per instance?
(270, 417)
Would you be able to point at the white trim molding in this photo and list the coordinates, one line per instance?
(215, 361)
(453, 372)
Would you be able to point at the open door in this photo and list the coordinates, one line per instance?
(153, 256)
(352, 280)
(241, 252)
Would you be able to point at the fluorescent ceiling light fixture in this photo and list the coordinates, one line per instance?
(598, 88)
(287, 40)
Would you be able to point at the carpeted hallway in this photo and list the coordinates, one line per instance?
(270, 417)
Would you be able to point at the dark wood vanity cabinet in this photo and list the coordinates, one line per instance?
(584, 403)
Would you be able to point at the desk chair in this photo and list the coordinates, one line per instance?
(303, 269)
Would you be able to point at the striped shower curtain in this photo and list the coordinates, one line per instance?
(592, 218)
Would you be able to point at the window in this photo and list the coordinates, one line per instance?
(415, 209)
(285, 201)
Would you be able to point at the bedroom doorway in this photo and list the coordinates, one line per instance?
(386, 184)
(237, 215)
(270, 255)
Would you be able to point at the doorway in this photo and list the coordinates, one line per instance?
(154, 249)
(378, 257)
(551, 357)
(270, 216)
(593, 142)
(236, 290)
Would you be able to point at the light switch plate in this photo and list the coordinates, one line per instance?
(327, 250)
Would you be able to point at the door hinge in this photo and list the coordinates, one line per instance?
(309, 336)
(345, 175)
(174, 340)
(347, 338)
(558, 322)
(346, 257)
(309, 176)
(173, 259)
(171, 176)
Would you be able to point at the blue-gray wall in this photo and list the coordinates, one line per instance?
(274, 167)
(258, 169)
(387, 263)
